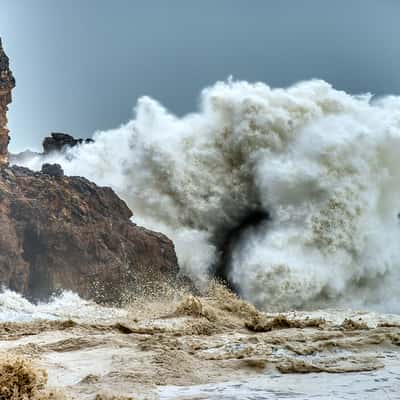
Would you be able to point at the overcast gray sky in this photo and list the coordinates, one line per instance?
(80, 65)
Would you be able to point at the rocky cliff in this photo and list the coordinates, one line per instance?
(60, 232)
(7, 83)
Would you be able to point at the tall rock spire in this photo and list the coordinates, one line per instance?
(7, 83)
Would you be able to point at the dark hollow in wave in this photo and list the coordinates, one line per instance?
(227, 241)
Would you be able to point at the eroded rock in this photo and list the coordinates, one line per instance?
(7, 83)
(58, 141)
(68, 233)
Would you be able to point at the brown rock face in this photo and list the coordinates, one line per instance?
(7, 83)
(60, 232)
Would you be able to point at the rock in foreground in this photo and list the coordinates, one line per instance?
(61, 232)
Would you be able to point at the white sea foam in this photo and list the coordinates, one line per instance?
(68, 305)
(323, 163)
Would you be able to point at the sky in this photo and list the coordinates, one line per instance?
(81, 65)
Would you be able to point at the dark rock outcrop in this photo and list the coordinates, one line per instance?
(59, 141)
(7, 83)
(67, 233)
(56, 142)
(54, 170)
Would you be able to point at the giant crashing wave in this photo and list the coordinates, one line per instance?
(292, 195)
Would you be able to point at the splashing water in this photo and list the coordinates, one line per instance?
(323, 164)
(67, 305)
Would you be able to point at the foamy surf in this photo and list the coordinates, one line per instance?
(214, 347)
(68, 305)
(368, 385)
(319, 169)
(322, 164)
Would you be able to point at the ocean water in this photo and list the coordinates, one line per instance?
(377, 385)
(168, 355)
(321, 163)
(320, 169)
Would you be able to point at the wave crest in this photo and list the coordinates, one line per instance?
(322, 163)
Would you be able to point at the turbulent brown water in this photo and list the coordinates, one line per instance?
(292, 195)
(176, 346)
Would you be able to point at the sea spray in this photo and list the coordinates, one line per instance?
(321, 163)
(66, 305)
